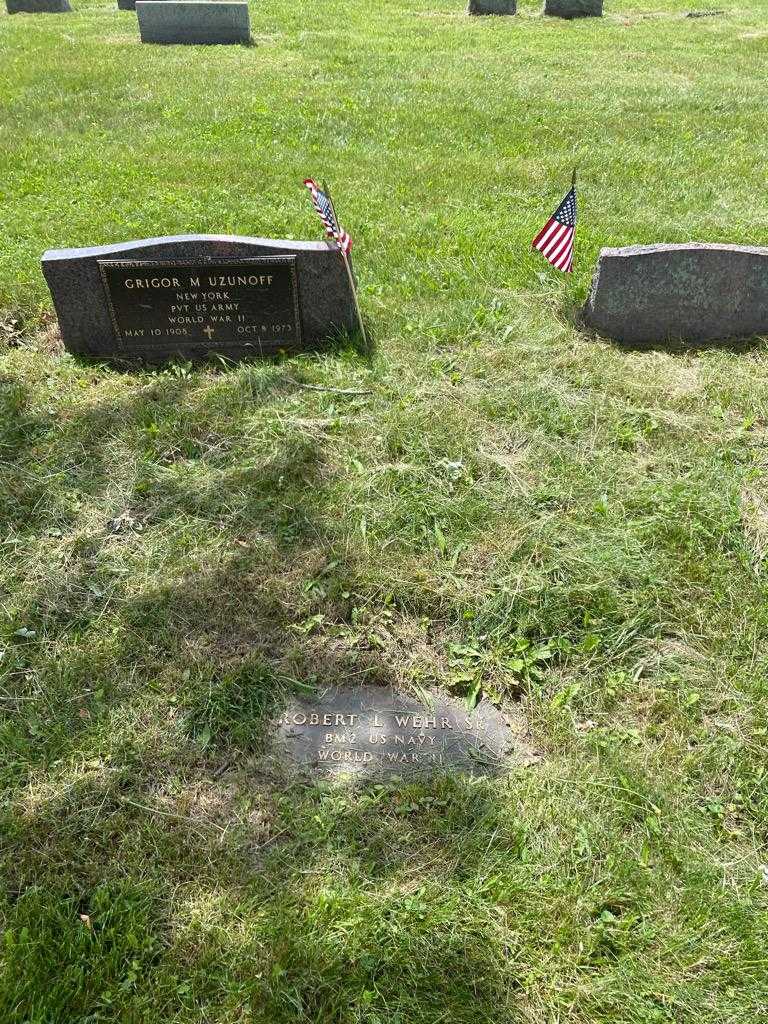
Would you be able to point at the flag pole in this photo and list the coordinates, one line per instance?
(573, 189)
(348, 269)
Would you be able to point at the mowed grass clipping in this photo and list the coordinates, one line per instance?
(489, 497)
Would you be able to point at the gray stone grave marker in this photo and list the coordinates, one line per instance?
(37, 6)
(574, 8)
(192, 295)
(371, 732)
(126, 5)
(193, 21)
(694, 292)
(492, 7)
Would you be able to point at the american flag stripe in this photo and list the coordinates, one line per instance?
(324, 208)
(555, 240)
(564, 262)
(561, 245)
(545, 234)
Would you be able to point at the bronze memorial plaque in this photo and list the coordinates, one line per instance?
(200, 306)
(369, 732)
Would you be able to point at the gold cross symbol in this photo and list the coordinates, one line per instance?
(209, 331)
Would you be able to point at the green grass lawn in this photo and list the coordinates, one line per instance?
(180, 547)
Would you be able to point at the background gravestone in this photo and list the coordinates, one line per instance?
(574, 8)
(37, 6)
(193, 21)
(370, 732)
(694, 292)
(190, 295)
(126, 5)
(492, 7)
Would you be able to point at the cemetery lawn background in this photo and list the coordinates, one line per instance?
(488, 497)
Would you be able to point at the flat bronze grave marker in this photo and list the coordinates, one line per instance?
(373, 732)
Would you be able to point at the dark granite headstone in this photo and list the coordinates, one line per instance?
(693, 293)
(126, 5)
(373, 732)
(37, 6)
(492, 7)
(574, 8)
(193, 21)
(191, 295)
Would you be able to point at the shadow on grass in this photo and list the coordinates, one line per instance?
(143, 828)
(354, 905)
(154, 871)
(739, 346)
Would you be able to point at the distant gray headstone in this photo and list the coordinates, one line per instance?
(492, 7)
(377, 732)
(193, 21)
(694, 292)
(574, 8)
(37, 6)
(126, 5)
(191, 295)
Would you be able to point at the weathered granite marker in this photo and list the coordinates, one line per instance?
(376, 732)
(126, 4)
(574, 8)
(191, 295)
(492, 7)
(694, 292)
(37, 6)
(193, 21)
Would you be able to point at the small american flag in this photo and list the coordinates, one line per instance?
(322, 203)
(555, 240)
